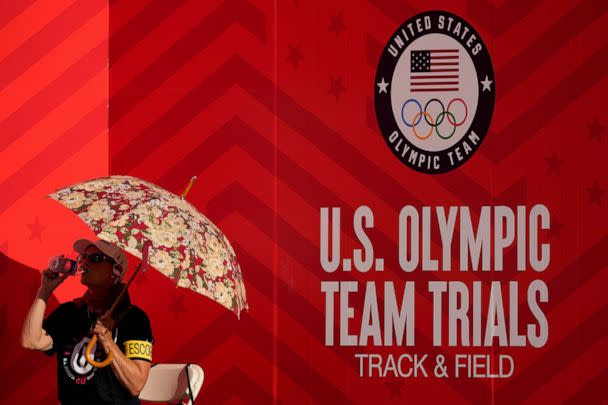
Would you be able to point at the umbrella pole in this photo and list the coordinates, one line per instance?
(144, 259)
(93, 341)
(123, 292)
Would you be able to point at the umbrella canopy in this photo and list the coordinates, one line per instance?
(184, 245)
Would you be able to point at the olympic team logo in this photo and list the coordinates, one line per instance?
(434, 92)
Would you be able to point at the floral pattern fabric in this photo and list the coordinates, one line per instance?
(184, 244)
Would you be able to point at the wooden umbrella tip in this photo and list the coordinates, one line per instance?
(188, 187)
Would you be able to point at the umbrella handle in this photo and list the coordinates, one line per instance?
(91, 360)
(108, 360)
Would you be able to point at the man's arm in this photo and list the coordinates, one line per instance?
(33, 336)
(132, 374)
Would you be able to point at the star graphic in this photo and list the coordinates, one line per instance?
(394, 389)
(382, 86)
(556, 229)
(595, 130)
(486, 84)
(336, 24)
(595, 194)
(294, 55)
(553, 164)
(36, 229)
(336, 87)
(177, 305)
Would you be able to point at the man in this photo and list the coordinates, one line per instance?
(67, 330)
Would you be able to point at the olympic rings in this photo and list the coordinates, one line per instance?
(403, 113)
(466, 111)
(442, 111)
(453, 126)
(422, 138)
(428, 118)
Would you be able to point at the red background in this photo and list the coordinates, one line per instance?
(270, 105)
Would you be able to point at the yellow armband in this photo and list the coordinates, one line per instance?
(138, 350)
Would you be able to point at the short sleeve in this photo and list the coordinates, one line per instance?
(55, 325)
(135, 333)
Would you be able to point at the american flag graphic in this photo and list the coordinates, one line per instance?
(434, 70)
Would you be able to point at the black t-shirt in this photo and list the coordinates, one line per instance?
(79, 382)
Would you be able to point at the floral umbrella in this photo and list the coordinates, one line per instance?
(183, 244)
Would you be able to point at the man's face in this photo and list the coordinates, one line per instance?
(96, 274)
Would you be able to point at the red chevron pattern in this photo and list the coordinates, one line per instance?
(269, 103)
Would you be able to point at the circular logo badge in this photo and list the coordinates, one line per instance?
(434, 92)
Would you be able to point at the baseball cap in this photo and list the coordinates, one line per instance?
(108, 249)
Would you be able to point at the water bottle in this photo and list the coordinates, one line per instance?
(63, 265)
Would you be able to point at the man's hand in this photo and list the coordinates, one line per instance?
(49, 282)
(104, 327)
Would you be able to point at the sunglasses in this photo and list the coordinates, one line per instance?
(94, 257)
